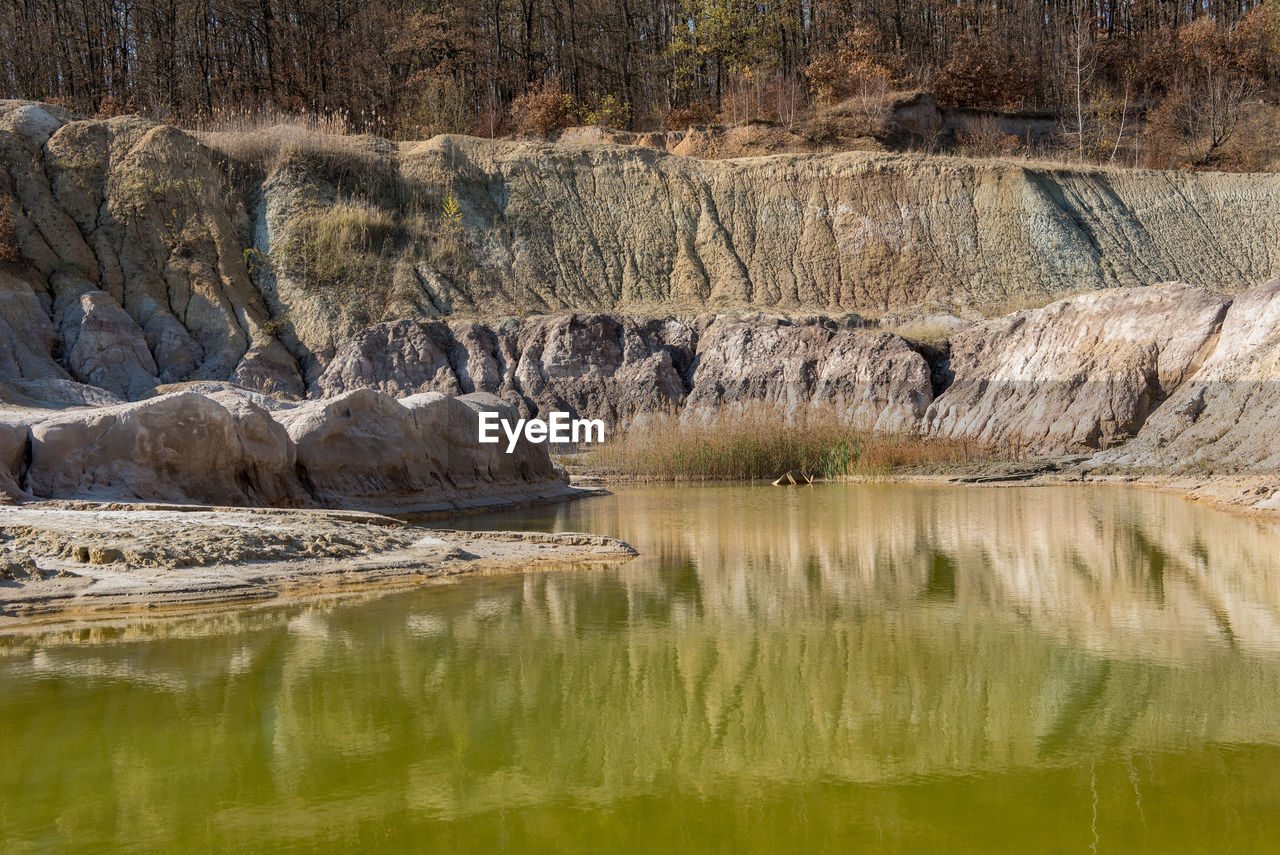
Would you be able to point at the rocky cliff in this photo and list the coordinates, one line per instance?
(136, 254)
(1170, 376)
(603, 280)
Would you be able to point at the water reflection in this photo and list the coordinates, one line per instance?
(874, 666)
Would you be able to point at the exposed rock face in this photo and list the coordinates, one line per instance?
(143, 264)
(14, 442)
(226, 280)
(597, 366)
(181, 447)
(603, 366)
(361, 450)
(1078, 375)
(873, 378)
(132, 268)
(400, 358)
(366, 450)
(1228, 412)
(106, 347)
(617, 367)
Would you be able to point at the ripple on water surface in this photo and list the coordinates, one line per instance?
(881, 668)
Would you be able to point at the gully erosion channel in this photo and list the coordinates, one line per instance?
(838, 668)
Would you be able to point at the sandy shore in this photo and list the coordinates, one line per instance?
(59, 560)
(1248, 493)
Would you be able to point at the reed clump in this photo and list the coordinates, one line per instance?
(762, 442)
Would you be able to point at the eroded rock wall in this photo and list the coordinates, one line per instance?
(1226, 414)
(1078, 375)
(361, 450)
(1165, 375)
(142, 255)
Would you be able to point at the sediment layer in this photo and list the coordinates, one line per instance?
(85, 560)
(141, 255)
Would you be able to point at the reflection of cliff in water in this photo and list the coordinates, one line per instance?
(1135, 573)
(860, 634)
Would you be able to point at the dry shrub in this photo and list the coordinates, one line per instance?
(684, 117)
(606, 111)
(852, 67)
(985, 139)
(854, 75)
(1164, 141)
(543, 110)
(10, 251)
(109, 107)
(762, 442)
(979, 75)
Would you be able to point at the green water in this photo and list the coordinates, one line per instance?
(828, 669)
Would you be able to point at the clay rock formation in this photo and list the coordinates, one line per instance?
(400, 358)
(205, 257)
(181, 447)
(14, 442)
(219, 445)
(1227, 413)
(872, 378)
(595, 366)
(616, 367)
(1078, 375)
(366, 450)
(106, 348)
(130, 266)
(603, 366)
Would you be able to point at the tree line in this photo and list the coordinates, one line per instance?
(412, 67)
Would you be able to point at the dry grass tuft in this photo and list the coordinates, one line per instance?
(762, 442)
(268, 142)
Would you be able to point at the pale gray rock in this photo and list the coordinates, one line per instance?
(872, 378)
(477, 357)
(56, 394)
(1227, 414)
(589, 365)
(27, 336)
(399, 358)
(15, 439)
(365, 449)
(181, 447)
(33, 122)
(106, 347)
(268, 368)
(1079, 375)
(602, 366)
(177, 355)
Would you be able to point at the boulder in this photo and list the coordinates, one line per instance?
(182, 447)
(1078, 375)
(364, 449)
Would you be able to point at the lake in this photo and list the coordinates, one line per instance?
(887, 668)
